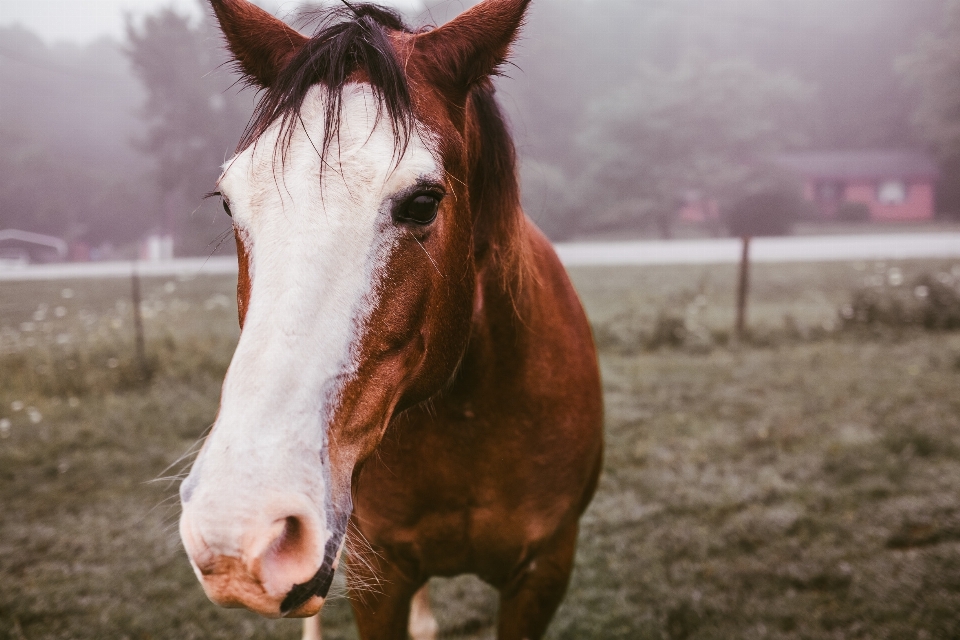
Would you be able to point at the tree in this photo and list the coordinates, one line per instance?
(572, 53)
(769, 212)
(701, 125)
(933, 69)
(65, 166)
(195, 116)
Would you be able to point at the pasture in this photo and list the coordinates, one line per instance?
(802, 483)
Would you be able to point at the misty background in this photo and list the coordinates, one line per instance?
(621, 109)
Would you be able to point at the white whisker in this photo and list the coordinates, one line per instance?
(425, 253)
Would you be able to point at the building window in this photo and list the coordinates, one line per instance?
(892, 192)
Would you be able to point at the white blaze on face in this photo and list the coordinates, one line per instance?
(317, 234)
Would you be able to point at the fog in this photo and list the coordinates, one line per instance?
(757, 203)
(83, 21)
(620, 109)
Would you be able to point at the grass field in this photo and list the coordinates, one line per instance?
(803, 483)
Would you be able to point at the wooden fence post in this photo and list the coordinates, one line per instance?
(743, 287)
(138, 322)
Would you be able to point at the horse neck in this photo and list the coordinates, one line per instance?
(505, 313)
(500, 227)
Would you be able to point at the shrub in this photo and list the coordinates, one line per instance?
(941, 308)
(668, 331)
(930, 303)
(629, 333)
(853, 212)
(768, 213)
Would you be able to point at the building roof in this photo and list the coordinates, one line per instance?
(34, 238)
(864, 165)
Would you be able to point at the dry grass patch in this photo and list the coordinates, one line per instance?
(804, 485)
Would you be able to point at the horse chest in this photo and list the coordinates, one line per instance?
(448, 494)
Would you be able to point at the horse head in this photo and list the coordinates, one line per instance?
(357, 237)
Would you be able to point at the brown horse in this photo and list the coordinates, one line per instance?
(413, 361)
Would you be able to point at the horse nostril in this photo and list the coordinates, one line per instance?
(291, 538)
(292, 553)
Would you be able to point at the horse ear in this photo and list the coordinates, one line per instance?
(470, 47)
(261, 44)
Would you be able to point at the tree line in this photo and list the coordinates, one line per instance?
(621, 109)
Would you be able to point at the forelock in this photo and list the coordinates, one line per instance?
(347, 41)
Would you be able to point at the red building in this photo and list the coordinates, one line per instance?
(880, 185)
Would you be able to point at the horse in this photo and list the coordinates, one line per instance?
(415, 378)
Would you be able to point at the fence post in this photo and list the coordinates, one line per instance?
(138, 322)
(743, 286)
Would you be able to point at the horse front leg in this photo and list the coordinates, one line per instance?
(528, 602)
(422, 626)
(311, 628)
(381, 595)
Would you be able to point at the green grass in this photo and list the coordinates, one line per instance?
(804, 484)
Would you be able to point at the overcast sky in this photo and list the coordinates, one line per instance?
(85, 20)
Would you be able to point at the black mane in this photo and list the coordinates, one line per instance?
(347, 39)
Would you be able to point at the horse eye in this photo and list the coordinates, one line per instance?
(226, 207)
(420, 209)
